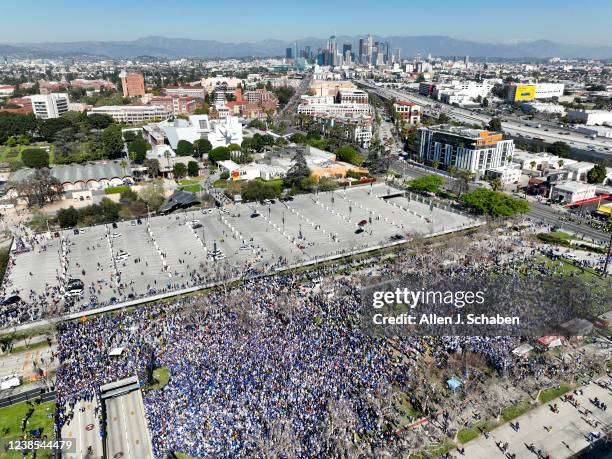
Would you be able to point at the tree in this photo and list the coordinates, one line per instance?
(35, 157)
(431, 183)
(496, 184)
(560, 148)
(201, 147)
(298, 171)
(68, 218)
(153, 194)
(494, 203)
(495, 125)
(179, 170)
(349, 155)
(193, 169)
(152, 166)
(39, 188)
(39, 221)
(137, 149)
(112, 141)
(533, 165)
(184, 148)
(100, 120)
(462, 181)
(598, 173)
(16, 124)
(127, 196)
(219, 154)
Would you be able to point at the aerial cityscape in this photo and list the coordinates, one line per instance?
(323, 230)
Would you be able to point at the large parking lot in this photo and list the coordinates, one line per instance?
(163, 253)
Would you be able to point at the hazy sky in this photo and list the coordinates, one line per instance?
(586, 22)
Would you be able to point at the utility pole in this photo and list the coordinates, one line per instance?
(605, 269)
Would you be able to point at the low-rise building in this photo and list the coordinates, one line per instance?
(351, 96)
(407, 112)
(198, 91)
(591, 117)
(508, 175)
(219, 132)
(177, 105)
(325, 105)
(132, 114)
(570, 192)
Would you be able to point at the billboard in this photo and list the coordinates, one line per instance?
(525, 92)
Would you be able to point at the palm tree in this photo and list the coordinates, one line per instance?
(560, 163)
(167, 155)
(495, 184)
(435, 164)
(533, 165)
(124, 164)
(462, 181)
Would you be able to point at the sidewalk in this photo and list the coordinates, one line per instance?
(568, 434)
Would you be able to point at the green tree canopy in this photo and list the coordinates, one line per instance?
(193, 169)
(598, 173)
(184, 148)
(495, 125)
(35, 157)
(179, 170)
(112, 141)
(201, 147)
(349, 155)
(298, 171)
(431, 183)
(560, 148)
(219, 154)
(138, 149)
(494, 203)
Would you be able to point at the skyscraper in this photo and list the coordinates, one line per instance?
(332, 48)
(360, 50)
(289, 53)
(369, 48)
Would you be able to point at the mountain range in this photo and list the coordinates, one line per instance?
(163, 47)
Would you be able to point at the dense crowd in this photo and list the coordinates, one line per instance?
(278, 351)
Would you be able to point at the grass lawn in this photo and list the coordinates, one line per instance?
(33, 346)
(116, 189)
(470, 433)
(10, 425)
(162, 376)
(435, 450)
(182, 455)
(550, 394)
(220, 183)
(195, 188)
(514, 411)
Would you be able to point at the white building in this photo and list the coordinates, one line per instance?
(506, 175)
(548, 90)
(570, 192)
(52, 105)
(324, 105)
(132, 114)
(219, 132)
(474, 150)
(543, 107)
(591, 117)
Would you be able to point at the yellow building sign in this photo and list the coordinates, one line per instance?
(525, 92)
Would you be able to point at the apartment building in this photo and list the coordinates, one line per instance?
(408, 112)
(132, 84)
(474, 150)
(51, 105)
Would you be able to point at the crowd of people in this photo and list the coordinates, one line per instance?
(280, 360)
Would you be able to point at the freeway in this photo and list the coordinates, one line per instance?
(128, 436)
(513, 128)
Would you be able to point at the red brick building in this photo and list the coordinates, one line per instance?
(132, 84)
